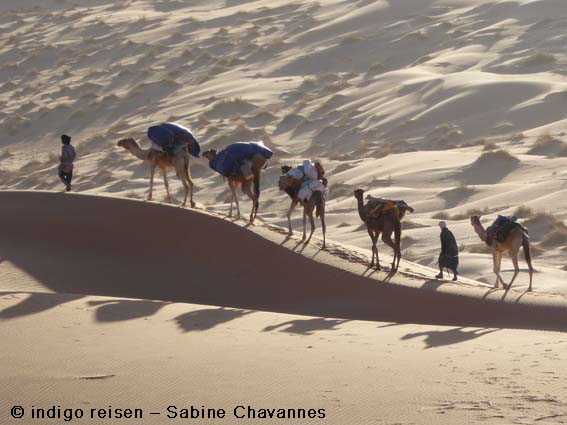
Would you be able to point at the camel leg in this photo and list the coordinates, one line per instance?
(184, 177)
(375, 247)
(291, 208)
(528, 258)
(191, 187)
(311, 221)
(256, 200)
(323, 225)
(234, 198)
(258, 163)
(188, 185)
(494, 268)
(152, 173)
(371, 234)
(397, 242)
(189, 180)
(248, 191)
(497, 260)
(304, 223)
(516, 268)
(500, 254)
(166, 183)
(387, 239)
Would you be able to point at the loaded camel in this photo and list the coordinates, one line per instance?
(386, 223)
(163, 160)
(315, 202)
(243, 175)
(517, 237)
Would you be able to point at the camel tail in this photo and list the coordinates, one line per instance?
(257, 185)
(527, 250)
(319, 204)
(397, 232)
(187, 162)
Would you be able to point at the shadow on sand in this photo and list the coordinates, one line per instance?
(452, 336)
(127, 249)
(202, 320)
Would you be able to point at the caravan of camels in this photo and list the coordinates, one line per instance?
(241, 164)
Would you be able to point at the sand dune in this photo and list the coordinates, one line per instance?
(406, 99)
(103, 246)
(105, 288)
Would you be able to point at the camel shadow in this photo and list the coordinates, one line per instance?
(118, 310)
(369, 271)
(448, 337)
(202, 320)
(432, 284)
(286, 240)
(306, 326)
(36, 302)
(490, 291)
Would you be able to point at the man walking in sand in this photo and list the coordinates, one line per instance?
(66, 162)
(449, 257)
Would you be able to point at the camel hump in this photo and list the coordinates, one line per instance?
(228, 162)
(173, 137)
(375, 207)
(503, 225)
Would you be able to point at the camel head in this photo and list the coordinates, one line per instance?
(405, 207)
(128, 143)
(358, 194)
(285, 181)
(477, 226)
(210, 154)
(320, 170)
(475, 220)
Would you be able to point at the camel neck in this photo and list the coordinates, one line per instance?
(139, 152)
(361, 209)
(480, 231)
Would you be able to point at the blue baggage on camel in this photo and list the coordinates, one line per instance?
(172, 136)
(228, 161)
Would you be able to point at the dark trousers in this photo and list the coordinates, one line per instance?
(66, 177)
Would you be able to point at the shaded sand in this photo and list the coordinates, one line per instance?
(103, 246)
(90, 319)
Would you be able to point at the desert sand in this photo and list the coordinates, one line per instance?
(456, 106)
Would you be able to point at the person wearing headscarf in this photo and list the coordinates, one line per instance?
(66, 162)
(449, 256)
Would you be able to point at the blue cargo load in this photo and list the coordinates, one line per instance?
(228, 161)
(172, 136)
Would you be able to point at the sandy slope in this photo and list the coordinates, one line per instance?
(82, 282)
(401, 98)
(103, 246)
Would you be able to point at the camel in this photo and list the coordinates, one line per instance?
(258, 163)
(516, 238)
(315, 202)
(164, 161)
(385, 223)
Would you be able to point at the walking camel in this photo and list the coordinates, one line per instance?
(164, 161)
(517, 237)
(386, 223)
(234, 181)
(315, 202)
